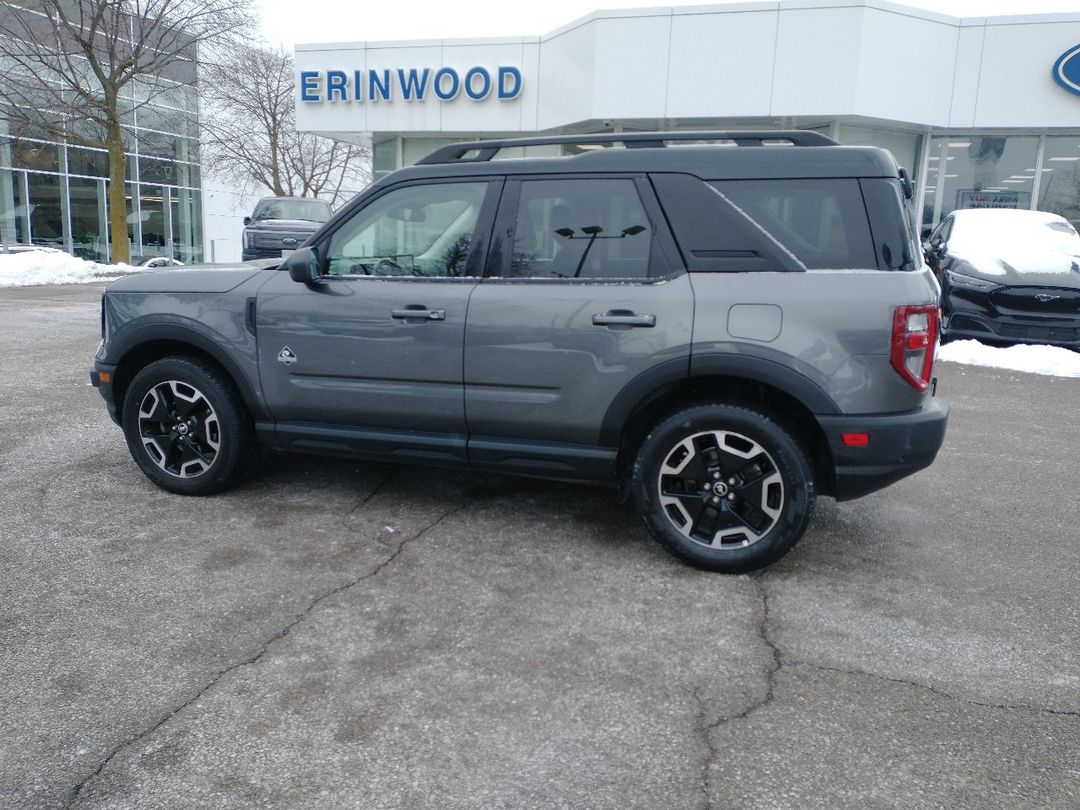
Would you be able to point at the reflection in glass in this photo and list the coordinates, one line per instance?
(88, 162)
(903, 145)
(88, 222)
(46, 214)
(1059, 192)
(14, 215)
(155, 237)
(978, 171)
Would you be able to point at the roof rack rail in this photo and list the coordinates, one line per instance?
(486, 150)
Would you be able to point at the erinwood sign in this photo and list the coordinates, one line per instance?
(409, 84)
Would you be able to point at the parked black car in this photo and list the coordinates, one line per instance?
(1008, 276)
(279, 225)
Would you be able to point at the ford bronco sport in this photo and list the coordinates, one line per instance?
(727, 325)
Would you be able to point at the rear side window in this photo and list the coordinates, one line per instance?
(583, 228)
(821, 222)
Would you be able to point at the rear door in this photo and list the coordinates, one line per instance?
(377, 345)
(583, 295)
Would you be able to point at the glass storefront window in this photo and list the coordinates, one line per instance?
(88, 162)
(14, 214)
(88, 221)
(1059, 191)
(46, 209)
(416, 148)
(903, 145)
(978, 171)
(187, 227)
(383, 159)
(153, 222)
(35, 155)
(152, 170)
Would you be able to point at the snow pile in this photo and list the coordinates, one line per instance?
(1051, 360)
(47, 267)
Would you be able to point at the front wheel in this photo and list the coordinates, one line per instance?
(723, 487)
(186, 427)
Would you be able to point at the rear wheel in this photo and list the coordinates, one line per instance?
(723, 487)
(186, 427)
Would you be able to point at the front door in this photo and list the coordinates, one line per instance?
(374, 350)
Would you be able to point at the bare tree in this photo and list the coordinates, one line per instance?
(77, 68)
(249, 130)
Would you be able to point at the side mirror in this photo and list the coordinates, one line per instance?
(303, 265)
(247, 221)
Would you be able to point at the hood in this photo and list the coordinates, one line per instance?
(1031, 267)
(196, 278)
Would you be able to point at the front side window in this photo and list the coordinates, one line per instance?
(582, 228)
(423, 230)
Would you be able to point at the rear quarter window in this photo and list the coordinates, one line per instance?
(822, 222)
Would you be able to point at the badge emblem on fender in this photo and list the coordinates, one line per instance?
(286, 356)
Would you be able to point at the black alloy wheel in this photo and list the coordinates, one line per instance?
(723, 487)
(186, 427)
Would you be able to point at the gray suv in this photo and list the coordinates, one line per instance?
(725, 325)
(279, 225)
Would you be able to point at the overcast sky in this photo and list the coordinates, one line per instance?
(290, 22)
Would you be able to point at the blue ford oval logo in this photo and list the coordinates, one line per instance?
(1067, 70)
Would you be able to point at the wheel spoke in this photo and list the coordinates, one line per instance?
(179, 429)
(155, 407)
(721, 489)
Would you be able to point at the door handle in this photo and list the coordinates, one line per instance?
(624, 318)
(418, 313)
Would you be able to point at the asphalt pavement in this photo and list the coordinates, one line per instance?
(342, 634)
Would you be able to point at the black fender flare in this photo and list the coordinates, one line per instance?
(120, 346)
(754, 368)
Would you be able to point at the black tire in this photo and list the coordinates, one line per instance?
(186, 427)
(738, 491)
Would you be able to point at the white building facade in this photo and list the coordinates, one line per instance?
(983, 111)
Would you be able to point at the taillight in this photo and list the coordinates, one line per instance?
(914, 335)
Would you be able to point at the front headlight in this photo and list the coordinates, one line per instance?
(249, 239)
(970, 282)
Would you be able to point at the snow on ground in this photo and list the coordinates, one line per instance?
(1050, 360)
(37, 267)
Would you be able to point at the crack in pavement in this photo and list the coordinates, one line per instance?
(940, 693)
(265, 648)
(705, 728)
(364, 501)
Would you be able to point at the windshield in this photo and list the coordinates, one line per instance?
(995, 231)
(284, 208)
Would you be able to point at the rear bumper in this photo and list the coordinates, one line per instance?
(899, 445)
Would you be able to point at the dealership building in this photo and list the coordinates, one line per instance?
(983, 111)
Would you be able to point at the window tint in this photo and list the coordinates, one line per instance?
(822, 222)
(891, 224)
(587, 228)
(713, 234)
(282, 208)
(412, 231)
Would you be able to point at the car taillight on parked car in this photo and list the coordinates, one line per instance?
(914, 336)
